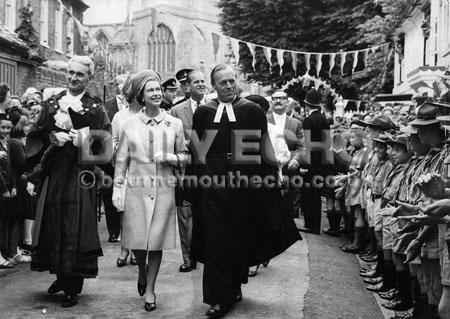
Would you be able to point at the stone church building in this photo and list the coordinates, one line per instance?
(165, 36)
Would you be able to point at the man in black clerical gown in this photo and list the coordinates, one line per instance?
(234, 228)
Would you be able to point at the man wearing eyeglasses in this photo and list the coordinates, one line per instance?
(292, 131)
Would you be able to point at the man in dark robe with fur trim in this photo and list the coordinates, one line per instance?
(72, 127)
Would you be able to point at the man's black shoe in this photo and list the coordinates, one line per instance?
(185, 268)
(389, 295)
(373, 281)
(217, 311)
(113, 238)
(398, 305)
(70, 301)
(376, 288)
(55, 287)
(370, 274)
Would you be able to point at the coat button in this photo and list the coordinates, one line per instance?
(151, 197)
(152, 160)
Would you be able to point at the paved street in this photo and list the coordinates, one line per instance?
(303, 274)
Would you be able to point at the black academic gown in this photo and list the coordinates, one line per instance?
(235, 228)
(65, 233)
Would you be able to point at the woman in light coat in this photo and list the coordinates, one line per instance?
(151, 147)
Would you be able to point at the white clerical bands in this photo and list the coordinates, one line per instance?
(229, 109)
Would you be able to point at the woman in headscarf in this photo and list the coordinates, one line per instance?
(151, 146)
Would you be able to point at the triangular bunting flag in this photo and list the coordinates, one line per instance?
(216, 44)
(332, 62)
(345, 103)
(355, 60)
(235, 48)
(223, 50)
(280, 59)
(307, 64)
(252, 49)
(294, 61)
(268, 55)
(343, 58)
(366, 57)
(316, 84)
(318, 63)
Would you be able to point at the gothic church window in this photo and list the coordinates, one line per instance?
(161, 50)
(103, 42)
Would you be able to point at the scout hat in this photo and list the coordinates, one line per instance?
(358, 124)
(182, 75)
(445, 121)
(312, 98)
(170, 83)
(443, 105)
(426, 115)
(410, 130)
(398, 139)
(382, 123)
(383, 138)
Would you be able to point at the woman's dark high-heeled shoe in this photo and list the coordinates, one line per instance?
(150, 306)
(121, 262)
(141, 288)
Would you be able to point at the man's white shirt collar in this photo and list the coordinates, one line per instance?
(78, 97)
(229, 109)
(280, 120)
(194, 103)
(312, 111)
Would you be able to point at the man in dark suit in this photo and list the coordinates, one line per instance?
(113, 106)
(185, 112)
(317, 125)
(293, 134)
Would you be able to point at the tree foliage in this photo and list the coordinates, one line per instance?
(25, 30)
(315, 26)
(381, 28)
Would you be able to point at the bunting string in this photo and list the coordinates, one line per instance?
(306, 55)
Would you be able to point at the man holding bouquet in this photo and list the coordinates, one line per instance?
(65, 233)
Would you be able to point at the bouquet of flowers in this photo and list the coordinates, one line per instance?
(62, 116)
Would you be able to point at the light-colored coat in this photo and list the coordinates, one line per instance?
(149, 209)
